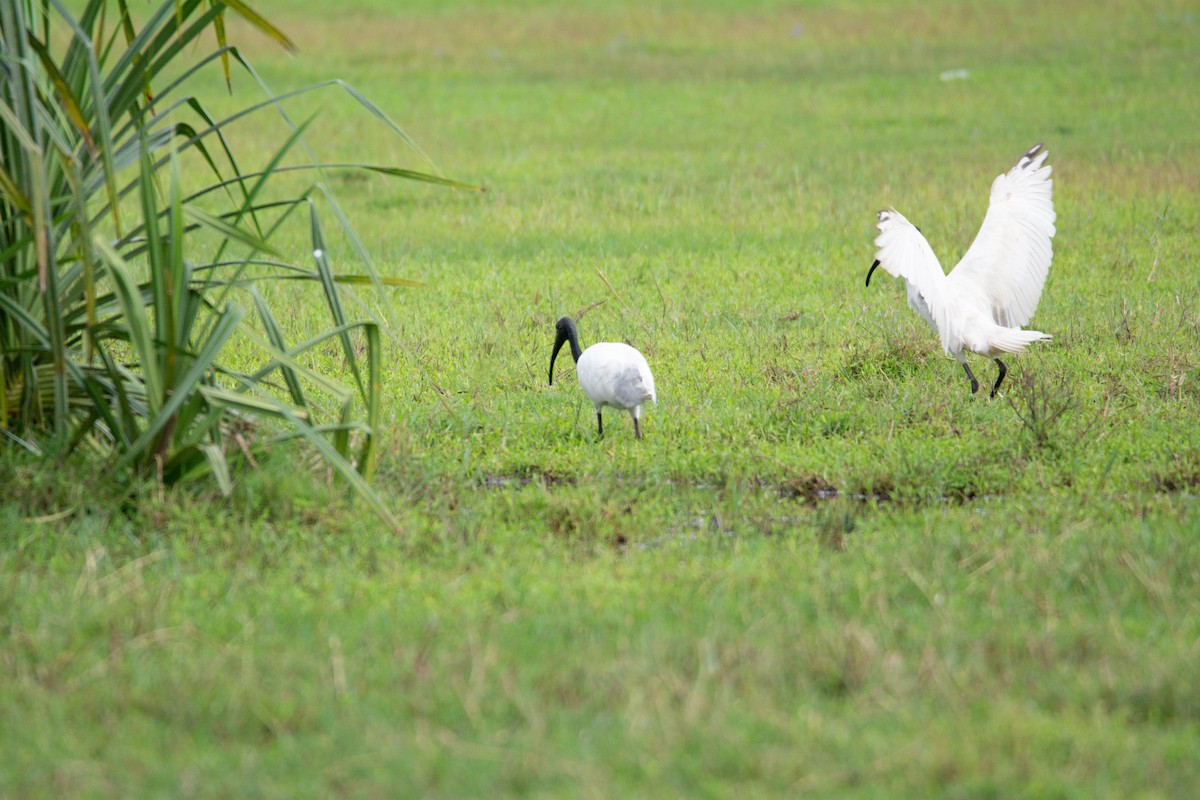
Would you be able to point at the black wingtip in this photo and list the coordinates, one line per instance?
(1031, 155)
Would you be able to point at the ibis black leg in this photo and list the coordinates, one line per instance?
(600, 424)
(971, 375)
(637, 427)
(1000, 377)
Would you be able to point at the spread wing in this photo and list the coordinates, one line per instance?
(903, 251)
(1010, 258)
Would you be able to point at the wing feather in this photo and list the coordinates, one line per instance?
(1010, 258)
(632, 388)
(902, 250)
(615, 374)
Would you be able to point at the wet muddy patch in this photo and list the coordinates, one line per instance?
(523, 478)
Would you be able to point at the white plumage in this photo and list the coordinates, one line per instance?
(611, 374)
(994, 290)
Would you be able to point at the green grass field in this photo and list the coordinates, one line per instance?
(827, 571)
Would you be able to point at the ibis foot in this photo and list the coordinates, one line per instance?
(971, 375)
(1000, 377)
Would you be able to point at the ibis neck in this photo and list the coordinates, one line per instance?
(569, 333)
(573, 340)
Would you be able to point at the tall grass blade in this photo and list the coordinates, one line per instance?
(333, 299)
(368, 456)
(258, 21)
(275, 337)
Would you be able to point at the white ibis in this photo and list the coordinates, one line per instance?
(611, 374)
(994, 290)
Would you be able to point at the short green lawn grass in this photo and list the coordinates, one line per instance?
(828, 570)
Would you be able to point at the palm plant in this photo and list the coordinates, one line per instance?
(115, 333)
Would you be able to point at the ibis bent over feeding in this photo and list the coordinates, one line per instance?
(611, 374)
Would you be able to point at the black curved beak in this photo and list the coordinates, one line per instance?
(872, 269)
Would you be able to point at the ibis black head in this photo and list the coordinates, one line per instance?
(872, 269)
(882, 214)
(564, 331)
